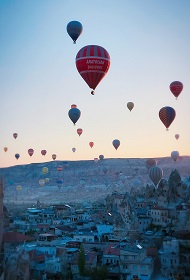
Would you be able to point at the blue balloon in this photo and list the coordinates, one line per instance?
(116, 143)
(74, 114)
(74, 29)
(17, 156)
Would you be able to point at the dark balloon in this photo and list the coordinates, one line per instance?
(74, 114)
(74, 29)
(15, 135)
(43, 152)
(17, 156)
(167, 115)
(30, 152)
(176, 88)
(92, 63)
(116, 143)
(155, 174)
(101, 157)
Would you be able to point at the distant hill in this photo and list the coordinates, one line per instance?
(83, 180)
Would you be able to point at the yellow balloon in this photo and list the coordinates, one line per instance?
(47, 180)
(45, 170)
(18, 188)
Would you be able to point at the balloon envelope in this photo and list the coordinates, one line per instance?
(95, 160)
(167, 115)
(155, 174)
(116, 143)
(130, 105)
(73, 149)
(41, 182)
(43, 152)
(30, 152)
(18, 188)
(79, 131)
(91, 144)
(54, 156)
(101, 157)
(151, 162)
(92, 63)
(177, 136)
(5, 149)
(175, 155)
(74, 29)
(17, 156)
(15, 135)
(176, 88)
(74, 114)
(45, 170)
(59, 168)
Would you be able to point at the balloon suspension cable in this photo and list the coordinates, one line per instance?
(92, 92)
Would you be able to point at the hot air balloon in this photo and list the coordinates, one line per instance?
(176, 88)
(130, 105)
(73, 150)
(47, 180)
(92, 63)
(74, 29)
(41, 182)
(155, 174)
(18, 188)
(11, 182)
(150, 163)
(59, 168)
(167, 115)
(101, 157)
(45, 170)
(74, 114)
(5, 149)
(43, 152)
(17, 156)
(54, 156)
(73, 106)
(177, 136)
(79, 131)
(15, 135)
(95, 160)
(175, 155)
(30, 152)
(116, 143)
(104, 169)
(91, 144)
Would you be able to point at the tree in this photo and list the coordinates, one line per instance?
(81, 261)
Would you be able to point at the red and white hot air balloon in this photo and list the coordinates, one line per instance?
(59, 168)
(92, 63)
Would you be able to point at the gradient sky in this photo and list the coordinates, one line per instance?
(148, 42)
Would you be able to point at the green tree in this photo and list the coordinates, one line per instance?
(81, 261)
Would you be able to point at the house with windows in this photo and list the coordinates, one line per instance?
(159, 216)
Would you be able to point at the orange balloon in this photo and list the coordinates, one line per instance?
(5, 149)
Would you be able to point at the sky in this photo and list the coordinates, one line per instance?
(148, 43)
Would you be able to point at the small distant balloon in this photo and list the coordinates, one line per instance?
(73, 106)
(151, 162)
(116, 143)
(41, 182)
(15, 135)
(79, 131)
(47, 180)
(167, 115)
(74, 29)
(18, 188)
(43, 152)
(175, 155)
(176, 88)
(5, 149)
(73, 150)
(17, 156)
(130, 105)
(45, 170)
(155, 174)
(30, 152)
(101, 157)
(95, 160)
(177, 136)
(74, 114)
(91, 144)
(54, 156)
(59, 168)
